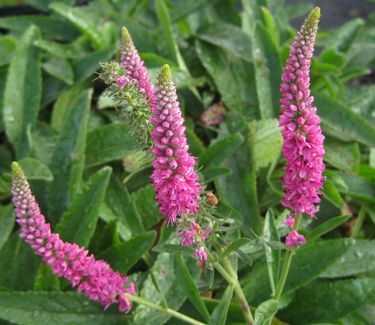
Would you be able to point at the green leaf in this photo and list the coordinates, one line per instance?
(18, 264)
(327, 226)
(266, 140)
(64, 104)
(51, 27)
(230, 38)
(237, 244)
(173, 249)
(359, 259)
(124, 256)
(343, 37)
(271, 26)
(59, 50)
(308, 263)
(267, 72)
(361, 100)
(44, 4)
(273, 256)
(35, 169)
(233, 78)
(107, 143)
(85, 66)
(357, 186)
(164, 276)
(220, 150)
(344, 156)
(340, 121)
(339, 299)
(332, 194)
(332, 56)
(182, 9)
(7, 220)
(23, 93)
(63, 308)
(79, 19)
(78, 223)
(67, 159)
(45, 137)
(165, 22)
(60, 68)
(265, 312)
(219, 315)
(238, 190)
(119, 202)
(187, 282)
(210, 174)
(8, 45)
(144, 199)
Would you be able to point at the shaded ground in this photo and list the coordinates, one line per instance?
(337, 12)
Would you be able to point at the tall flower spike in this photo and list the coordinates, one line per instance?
(134, 65)
(303, 140)
(174, 178)
(93, 277)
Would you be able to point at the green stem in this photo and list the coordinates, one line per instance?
(230, 276)
(286, 265)
(284, 274)
(164, 310)
(359, 222)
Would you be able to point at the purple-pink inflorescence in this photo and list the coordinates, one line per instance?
(93, 277)
(294, 239)
(289, 221)
(174, 178)
(135, 69)
(303, 140)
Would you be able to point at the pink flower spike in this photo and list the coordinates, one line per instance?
(201, 254)
(93, 277)
(289, 221)
(303, 139)
(294, 238)
(134, 66)
(174, 178)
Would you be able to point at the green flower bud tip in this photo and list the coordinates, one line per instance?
(165, 74)
(312, 20)
(126, 39)
(17, 171)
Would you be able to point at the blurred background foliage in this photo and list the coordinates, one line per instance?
(93, 184)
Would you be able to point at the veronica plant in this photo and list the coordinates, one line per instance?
(186, 227)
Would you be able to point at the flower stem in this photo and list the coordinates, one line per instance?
(230, 275)
(284, 274)
(164, 310)
(359, 222)
(287, 263)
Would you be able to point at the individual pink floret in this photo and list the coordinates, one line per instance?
(303, 140)
(289, 221)
(201, 254)
(294, 239)
(93, 277)
(174, 178)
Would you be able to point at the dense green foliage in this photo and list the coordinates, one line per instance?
(93, 184)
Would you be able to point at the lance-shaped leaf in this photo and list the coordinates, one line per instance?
(63, 308)
(23, 93)
(68, 156)
(78, 222)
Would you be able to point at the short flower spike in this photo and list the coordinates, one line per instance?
(135, 69)
(303, 139)
(174, 178)
(93, 277)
